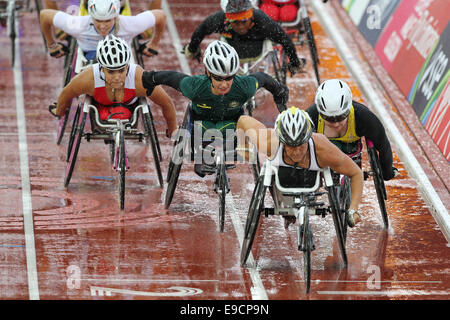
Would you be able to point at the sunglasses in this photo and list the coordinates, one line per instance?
(220, 79)
(238, 21)
(334, 119)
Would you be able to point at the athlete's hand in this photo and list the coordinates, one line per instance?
(149, 50)
(52, 109)
(281, 97)
(296, 68)
(58, 50)
(192, 55)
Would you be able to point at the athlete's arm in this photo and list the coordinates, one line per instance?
(328, 155)
(211, 24)
(279, 91)
(160, 26)
(368, 125)
(150, 79)
(160, 97)
(83, 83)
(46, 20)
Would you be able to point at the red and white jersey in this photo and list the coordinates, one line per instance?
(129, 95)
(104, 105)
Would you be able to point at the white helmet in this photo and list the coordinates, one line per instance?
(113, 53)
(294, 127)
(333, 98)
(221, 59)
(103, 9)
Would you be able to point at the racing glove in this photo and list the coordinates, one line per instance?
(281, 97)
(191, 55)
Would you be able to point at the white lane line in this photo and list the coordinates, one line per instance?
(176, 38)
(258, 292)
(30, 249)
(437, 208)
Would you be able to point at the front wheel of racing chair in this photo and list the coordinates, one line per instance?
(254, 213)
(69, 72)
(77, 136)
(121, 168)
(11, 17)
(151, 137)
(176, 158)
(378, 180)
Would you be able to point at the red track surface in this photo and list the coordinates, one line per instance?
(85, 248)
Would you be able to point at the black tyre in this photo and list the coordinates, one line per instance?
(74, 150)
(73, 130)
(344, 196)
(311, 42)
(254, 212)
(222, 187)
(379, 183)
(337, 219)
(306, 248)
(121, 169)
(150, 136)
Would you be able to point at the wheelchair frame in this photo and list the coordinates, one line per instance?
(298, 202)
(113, 132)
(221, 180)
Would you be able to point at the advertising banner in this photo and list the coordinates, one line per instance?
(420, 33)
(438, 122)
(375, 18)
(391, 39)
(432, 77)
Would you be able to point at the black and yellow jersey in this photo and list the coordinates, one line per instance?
(361, 123)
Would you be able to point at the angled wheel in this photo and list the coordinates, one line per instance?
(75, 147)
(121, 169)
(73, 130)
(150, 136)
(305, 236)
(379, 183)
(337, 219)
(222, 191)
(311, 42)
(11, 28)
(254, 212)
(344, 196)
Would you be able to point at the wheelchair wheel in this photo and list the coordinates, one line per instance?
(150, 135)
(137, 54)
(379, 183)
(11, 28)
(222, 190)
(344, 196)
(280, 70)
(155, 134)
(338, 223)
(254, 212)
(68, 73)
(38, 8)
(75, 147)
(305, 235)
(121, 169)
(311, 41)
(73, 130)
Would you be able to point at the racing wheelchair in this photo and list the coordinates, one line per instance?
(295, 196)
(113, 132)
(9, 10)
(297, 29)
(75, 62)
(215, 151)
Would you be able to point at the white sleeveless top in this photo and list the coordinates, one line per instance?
(313, 165)
(82, 28)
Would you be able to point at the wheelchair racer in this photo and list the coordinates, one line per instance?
(245, 28)
(344, 121)
(103, 19)
(218, 96)
(114, 84)
(293, 144)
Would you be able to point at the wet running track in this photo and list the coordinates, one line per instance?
(75, 243)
